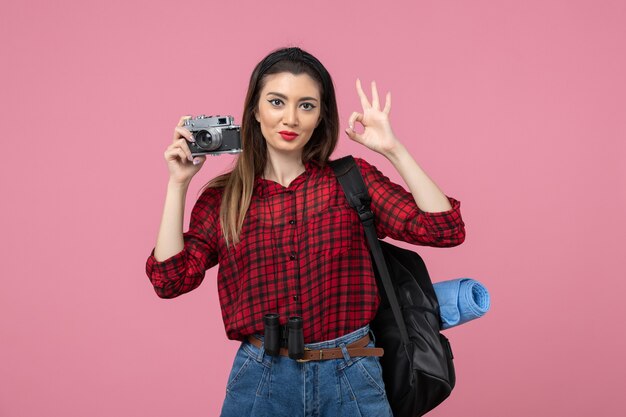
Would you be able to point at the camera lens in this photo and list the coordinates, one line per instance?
(209, 139)
(203, 139)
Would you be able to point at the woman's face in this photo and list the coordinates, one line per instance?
(288, 111)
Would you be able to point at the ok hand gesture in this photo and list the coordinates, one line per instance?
(377, 134)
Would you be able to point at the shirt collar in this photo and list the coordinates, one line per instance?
(266, 188)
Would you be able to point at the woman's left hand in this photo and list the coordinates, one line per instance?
(377, 134)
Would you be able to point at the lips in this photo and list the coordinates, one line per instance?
(287, 135)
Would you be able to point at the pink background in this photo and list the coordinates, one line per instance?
(516, 108)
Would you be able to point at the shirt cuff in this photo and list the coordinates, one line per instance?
(169, 269)
(444, 224)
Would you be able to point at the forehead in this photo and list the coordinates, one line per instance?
(291, 85)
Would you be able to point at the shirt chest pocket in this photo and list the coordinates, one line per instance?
(333, 231)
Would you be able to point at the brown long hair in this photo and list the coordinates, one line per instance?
(238, 184)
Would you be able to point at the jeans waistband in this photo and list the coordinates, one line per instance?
(345, 339)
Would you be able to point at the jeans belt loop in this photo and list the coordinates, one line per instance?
(346, 355)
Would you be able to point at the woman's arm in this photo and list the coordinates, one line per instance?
(397, 215)
(178, 261)
(427, 195)
(182, 167)
(170, 237)
(379, 137)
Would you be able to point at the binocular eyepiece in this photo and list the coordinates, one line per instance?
(274, 335)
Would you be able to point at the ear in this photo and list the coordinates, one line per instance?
(256, 115)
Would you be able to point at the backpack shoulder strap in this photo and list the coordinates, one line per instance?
(351, 180)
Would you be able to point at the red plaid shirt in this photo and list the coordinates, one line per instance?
(302, 252)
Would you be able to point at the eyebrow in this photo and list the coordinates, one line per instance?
(285, 97)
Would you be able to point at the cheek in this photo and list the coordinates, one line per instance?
(265, 120)
(268, 116)
(314, 121)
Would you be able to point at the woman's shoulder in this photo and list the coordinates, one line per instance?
(213, 190)
(210, 196)
(367, 169)
(362, 163)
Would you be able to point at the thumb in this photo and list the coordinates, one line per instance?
(199, 160)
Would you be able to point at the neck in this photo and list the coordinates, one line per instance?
(283, 168)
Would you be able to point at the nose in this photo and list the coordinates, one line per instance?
(290, 116)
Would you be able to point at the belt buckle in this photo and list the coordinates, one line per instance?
(304, 360)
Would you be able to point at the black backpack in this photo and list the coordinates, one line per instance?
(417, 365)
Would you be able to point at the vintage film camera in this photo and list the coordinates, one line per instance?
(214, 135)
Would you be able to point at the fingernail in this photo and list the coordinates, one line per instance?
(196, 161)
(190, 158)
(192, 139)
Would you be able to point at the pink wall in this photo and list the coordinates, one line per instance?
(516, 108)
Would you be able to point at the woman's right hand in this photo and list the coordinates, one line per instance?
(181, 165)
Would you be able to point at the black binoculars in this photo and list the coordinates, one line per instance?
(275, 334)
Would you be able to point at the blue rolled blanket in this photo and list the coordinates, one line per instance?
(461, 300)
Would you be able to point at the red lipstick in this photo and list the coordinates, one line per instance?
(287, 135)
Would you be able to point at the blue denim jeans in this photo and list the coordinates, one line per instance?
(274, 386)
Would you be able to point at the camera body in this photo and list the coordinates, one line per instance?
(214, 135)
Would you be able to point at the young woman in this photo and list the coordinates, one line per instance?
(287, 242)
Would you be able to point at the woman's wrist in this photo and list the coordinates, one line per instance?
(174, 185)
(395, 153)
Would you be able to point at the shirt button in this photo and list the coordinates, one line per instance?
(292, 256)
(295, 298)
(292, 222)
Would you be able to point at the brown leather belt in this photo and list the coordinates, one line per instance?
(357, 348)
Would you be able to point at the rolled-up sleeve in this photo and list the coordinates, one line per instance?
(398, 216)
(185, 270)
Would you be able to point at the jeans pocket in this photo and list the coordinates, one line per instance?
(240, 366)
(249, 376)
(363, 378)
(372, 372)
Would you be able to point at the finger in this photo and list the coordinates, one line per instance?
(176, 153)
(199, 160)
(354, 135)
(185, 147)
(364, 101)
(375, 102)
(387, 103)
(182, 120)
(183, 156)
(182, 132)
(355, 117)
(182, 144)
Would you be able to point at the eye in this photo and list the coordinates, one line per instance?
(307, 106)
(275, 102)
